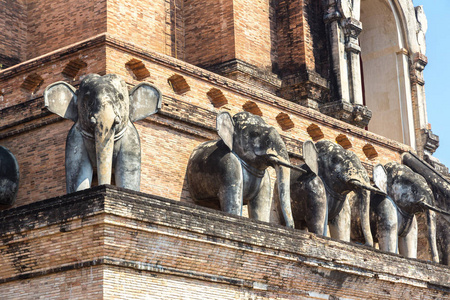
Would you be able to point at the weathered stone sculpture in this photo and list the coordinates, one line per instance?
(230, 172)
(103, 135)
(341, 172)
(394, 215)
(308, 194)
(440, 186)
(9, 177)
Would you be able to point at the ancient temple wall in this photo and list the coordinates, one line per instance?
(255, 41)
(145, 23)
(37, 137)
(26, 82)
(112, 243)
(13, 41)
(55, 24)
(209, 29)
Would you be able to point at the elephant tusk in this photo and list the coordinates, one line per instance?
(438, 210)
(277, 161)
(366, 187)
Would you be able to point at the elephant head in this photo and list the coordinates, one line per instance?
(441, 191)
(232, 170)
(342, 172)
(411, 193)
(102, 110)
(9, 177)
(259, 146)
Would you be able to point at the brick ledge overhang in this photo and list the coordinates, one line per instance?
(209, 226)
(202, 74)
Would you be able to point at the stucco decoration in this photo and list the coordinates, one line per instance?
(422, 27)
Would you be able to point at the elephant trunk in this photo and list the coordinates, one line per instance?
(283, 180)
(278, 162)
(369, 188)
(104, 145)
(362, 191)
(433, 208)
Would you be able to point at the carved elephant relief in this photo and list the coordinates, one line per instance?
(103, 136)
(230, 172)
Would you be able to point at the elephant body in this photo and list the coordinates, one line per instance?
(394, 219)
(440, 187)
(231, 172)
(309, 202)
(103, 136)
(341, 173)
(9, 177)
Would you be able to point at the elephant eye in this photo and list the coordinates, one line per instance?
(253, 134)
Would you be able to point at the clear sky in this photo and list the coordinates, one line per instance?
(437, 73)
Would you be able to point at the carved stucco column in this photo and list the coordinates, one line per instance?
(343, 27)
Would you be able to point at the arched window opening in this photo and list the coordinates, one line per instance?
(386, 81)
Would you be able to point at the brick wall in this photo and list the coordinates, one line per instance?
(37, 137)
(53, 24)
(255, 42)
(210, 30)
(13, 27)
(50, 69)
(141, 22)
(129, 245)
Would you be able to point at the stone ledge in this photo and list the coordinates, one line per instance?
(267, 80)
(220, 244)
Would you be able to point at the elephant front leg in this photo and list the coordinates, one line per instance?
(386, 222)
(316, 209)
(259, 207)
(127, 172)
(230, 197)
(340, 225)
(78, 166)
(407, 245)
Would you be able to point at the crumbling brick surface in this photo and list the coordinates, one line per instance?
(127, 242)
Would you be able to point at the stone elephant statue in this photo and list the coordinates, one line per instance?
(341, 172)
(394, 215)
(230, 172)
(9, 177)
(103, 136)
(308, 194)
(440, 186)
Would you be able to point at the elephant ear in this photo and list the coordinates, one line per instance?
(380, 177)
(145, 100)
(225, 128)
(61, 98)
(310, 156)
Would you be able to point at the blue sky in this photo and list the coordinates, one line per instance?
(437, 73)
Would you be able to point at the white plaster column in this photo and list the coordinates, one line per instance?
(353, 28)
(344, 27)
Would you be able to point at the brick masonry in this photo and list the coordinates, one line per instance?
(37, 137)
(125, 241)
(111, 243)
